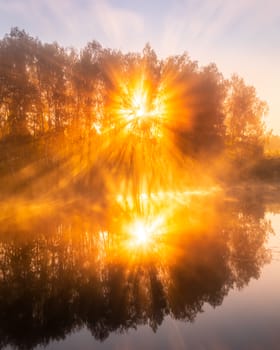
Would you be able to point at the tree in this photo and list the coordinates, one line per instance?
(19, 93)
(245, 129)
(86, 94)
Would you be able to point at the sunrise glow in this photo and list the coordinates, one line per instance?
(145, 232)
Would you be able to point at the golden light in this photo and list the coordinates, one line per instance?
(137, 107)
(141, 233)
(139, 104)
(135, 104)
(139, 144)
(144, 232)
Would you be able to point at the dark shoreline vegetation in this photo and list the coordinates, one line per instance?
(61, 122)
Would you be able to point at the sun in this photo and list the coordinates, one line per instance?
(139, 104)
(136, 106)
(142, 112)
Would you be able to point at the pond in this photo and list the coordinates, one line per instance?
(192, 270)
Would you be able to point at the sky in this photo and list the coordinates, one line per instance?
(240, 36)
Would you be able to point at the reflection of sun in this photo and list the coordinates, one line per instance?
(143, 232)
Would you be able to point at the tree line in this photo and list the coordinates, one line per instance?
(46, 88)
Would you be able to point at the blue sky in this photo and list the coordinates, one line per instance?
(241, 36)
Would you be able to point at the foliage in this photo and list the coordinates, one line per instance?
(45, 87)
(68, 101)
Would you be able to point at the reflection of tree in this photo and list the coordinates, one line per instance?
(65, 275)
(246, 239)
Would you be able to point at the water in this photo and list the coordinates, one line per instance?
(207, 278)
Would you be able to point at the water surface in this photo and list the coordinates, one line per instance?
(205, 276)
